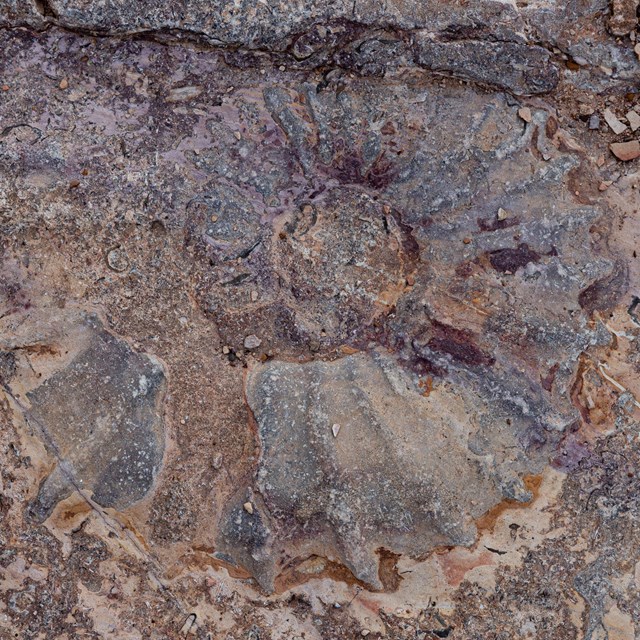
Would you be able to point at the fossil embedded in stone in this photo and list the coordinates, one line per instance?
(94, 402)
(401, 476)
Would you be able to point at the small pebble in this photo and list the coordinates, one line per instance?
(335, 429)
(64, 84)
(5, 87)
(594, 122)
(613, 122)
(248, 507)
(226, 350)
(117, 259)
(365, 632)
(252, 342)
(254, 296)
(502, 214)
(525, 113)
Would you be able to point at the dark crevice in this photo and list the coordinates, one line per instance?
(44, 8)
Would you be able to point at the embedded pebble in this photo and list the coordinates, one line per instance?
(117, 259)
(525, 113)
(252, 342)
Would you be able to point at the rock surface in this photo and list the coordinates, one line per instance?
(94, 402)
(319, 320)
(354, 459)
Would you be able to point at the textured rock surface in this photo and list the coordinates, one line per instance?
(94, 402)
(354, 459)
(318, 320)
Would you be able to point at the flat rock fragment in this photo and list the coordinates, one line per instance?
(614, 123)
(634, 120)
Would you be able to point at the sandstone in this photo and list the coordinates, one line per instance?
(618, 624)
(625, 151)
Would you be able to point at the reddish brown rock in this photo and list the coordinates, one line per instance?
(625, 151)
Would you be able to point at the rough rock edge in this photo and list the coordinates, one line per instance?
(502, 39)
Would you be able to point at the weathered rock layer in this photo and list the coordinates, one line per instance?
(318, 320)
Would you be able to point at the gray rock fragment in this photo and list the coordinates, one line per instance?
(519, 68)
